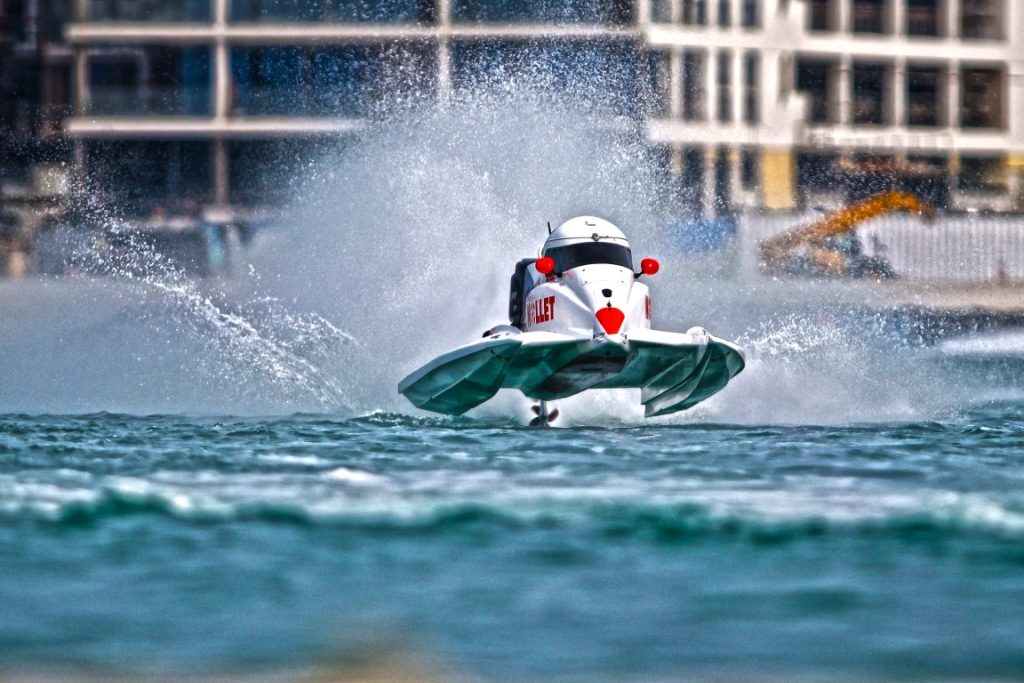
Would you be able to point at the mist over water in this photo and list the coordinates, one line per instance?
(398, 246)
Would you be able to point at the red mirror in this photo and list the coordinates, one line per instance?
(649, 266)
(545, 265)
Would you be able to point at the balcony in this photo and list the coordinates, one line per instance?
(333, 11)
(147, 11)
(149, 101)
(149, 80)
(543, 11)
(352, 81)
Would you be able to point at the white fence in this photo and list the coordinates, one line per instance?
(957, 248)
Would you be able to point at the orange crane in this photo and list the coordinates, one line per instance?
(820, 248)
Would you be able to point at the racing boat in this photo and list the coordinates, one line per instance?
(579, 319)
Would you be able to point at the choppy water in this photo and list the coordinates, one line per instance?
(204, 545)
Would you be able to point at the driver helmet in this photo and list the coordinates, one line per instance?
(586, 240)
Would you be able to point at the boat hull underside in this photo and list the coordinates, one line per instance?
(674, 371)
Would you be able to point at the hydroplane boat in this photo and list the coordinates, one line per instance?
(579, 319)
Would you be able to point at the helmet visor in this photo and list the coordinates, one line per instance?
(585, 254)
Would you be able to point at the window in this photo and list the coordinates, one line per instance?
(981, 19)
(723, 77)
(751, 87)
(260, 170)
(135, 80)
(352, 80)
(148, 174)
(750, 18)
(820, 15)
(695, 12)
(923, 96)
(981, 174)
(748, 169)
(602, 76)
(868, 16)
(693, 86)
(814, 79)
(147, 10)
(724, 13)
(981, 98)
(661, 11)
(869, 90)
(923, 17)
(659, 82)
(405, 11)
(691, 180)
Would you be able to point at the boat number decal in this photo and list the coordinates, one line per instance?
(540, 311)
(647, 306)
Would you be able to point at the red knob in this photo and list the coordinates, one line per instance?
(649, 266)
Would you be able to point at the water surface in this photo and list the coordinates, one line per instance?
(203, 545)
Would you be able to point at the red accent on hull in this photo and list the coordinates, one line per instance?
(610, 319)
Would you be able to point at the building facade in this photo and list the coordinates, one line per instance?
(770, 104)
(35, 91)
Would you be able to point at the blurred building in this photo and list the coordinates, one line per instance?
(805, 101)
(751, 103)
(35, 93)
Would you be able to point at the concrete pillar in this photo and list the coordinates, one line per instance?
(768, 67)
(711, 85)
(81, 81)
(952, 18)
(778, 179)
(223, 102)
(1014, 22)
(643, 12)
(953, 95)
(898, 92)
(843, 90)
(898, 17)
(712, 12)
(221, 173)
(222, 87)
(843, 15)
(739, 87)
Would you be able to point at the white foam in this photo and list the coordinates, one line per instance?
(353, 476)
(289, 459)
(1008, 343)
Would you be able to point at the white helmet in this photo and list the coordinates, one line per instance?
(583, 229)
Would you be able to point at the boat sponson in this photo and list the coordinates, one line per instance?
(673, 370)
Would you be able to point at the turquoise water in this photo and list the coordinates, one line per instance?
(206, 545)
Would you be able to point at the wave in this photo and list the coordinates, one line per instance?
(939, 516)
